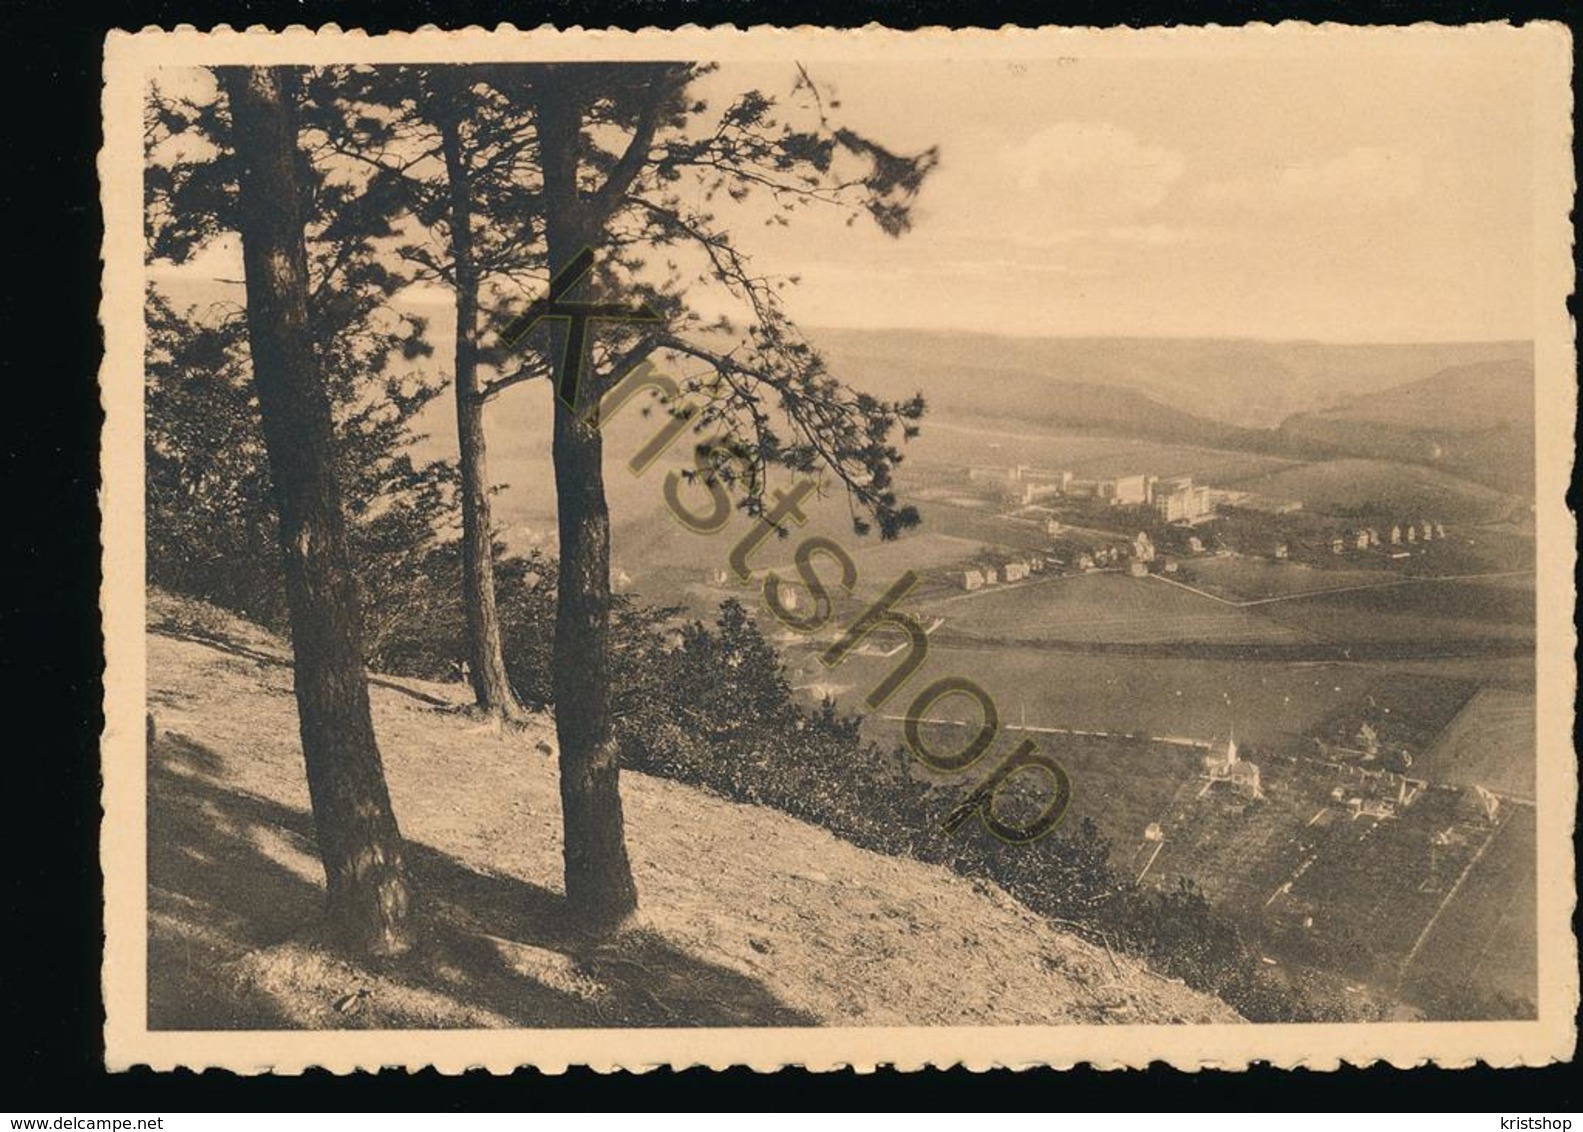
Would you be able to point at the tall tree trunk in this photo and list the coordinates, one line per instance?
(599, 885)
(486, 661)
(359, 841)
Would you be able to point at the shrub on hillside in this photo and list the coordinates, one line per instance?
(717, 711)
(210, 509)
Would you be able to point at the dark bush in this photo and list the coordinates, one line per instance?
(716, 711)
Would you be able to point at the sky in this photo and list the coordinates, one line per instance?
(1282, 199)
(1386, 199)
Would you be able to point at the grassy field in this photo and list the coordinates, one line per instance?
(1406, 711)
(1409, 490)
(1486, 937)
(926, 551)
(1373, 897)
(1264, 703)
(1357, 891)
(1120, 784)
(1254, 579)
(965, 440)
(1105, 607)
(1490, 743)
(1432, 611)
(1239, 851)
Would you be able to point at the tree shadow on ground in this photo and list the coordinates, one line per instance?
(233, 877)
(266, 659)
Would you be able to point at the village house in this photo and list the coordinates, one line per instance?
(1479, 804)
(1376, 794)
(1226, 766)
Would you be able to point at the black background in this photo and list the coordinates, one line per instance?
(50, 1007)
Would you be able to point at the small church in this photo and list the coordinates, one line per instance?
(1228, 766)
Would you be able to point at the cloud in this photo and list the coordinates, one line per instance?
(1092, 171)
(1368, 176)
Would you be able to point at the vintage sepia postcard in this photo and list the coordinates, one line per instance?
(838, 548)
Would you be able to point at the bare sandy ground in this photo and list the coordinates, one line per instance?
(749, 916)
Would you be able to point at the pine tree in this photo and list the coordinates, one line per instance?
(507, 169)
(210, 519)
(359, 842)
(627, 204)
(455, 151)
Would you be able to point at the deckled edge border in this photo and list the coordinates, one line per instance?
(128, 1047)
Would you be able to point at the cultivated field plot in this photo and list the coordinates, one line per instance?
(1122, 784)
(1414, 613)
(1108, 608)
(1404, 710)
(1475, 550)
(978, 525)
(1487, 934)
(1262, 703)
(1408, 490)
(1239, 851)
(1360, 889)
(1258, 579)
(1490, 743)
(926, 552)
(1370, 900)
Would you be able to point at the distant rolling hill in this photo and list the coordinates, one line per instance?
(1460, 399)
(1390, 486)
(1467, 408)
(1463, 408)
(1474, 420)
(1239, 382)
(996, 392)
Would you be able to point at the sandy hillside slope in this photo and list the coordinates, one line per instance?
(749, 917)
